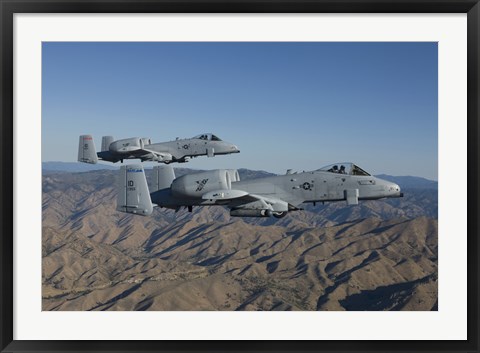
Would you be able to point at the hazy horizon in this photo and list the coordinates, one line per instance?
(295, 106)
(148, 165)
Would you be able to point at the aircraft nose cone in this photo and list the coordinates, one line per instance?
(394, 188)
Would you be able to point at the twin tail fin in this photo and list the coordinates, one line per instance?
(86, 150)
(133, 194)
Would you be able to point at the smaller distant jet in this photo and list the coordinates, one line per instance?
(180, 150)
(262, 197)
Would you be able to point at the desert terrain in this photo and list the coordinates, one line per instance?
(379, 255)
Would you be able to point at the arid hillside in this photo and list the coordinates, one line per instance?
(379, 255)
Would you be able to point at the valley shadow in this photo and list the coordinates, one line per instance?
(392, 297)
(124, 294)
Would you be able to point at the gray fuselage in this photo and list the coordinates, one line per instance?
(193, 147)
(179, 150)
(295, 189)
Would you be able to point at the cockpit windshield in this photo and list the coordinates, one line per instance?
(344, 168)
(207, 137)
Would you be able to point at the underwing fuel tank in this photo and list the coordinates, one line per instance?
(250, 213)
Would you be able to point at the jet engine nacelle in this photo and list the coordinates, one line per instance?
(128, 145)
(196, 185)
(146, 141)
(234, 176)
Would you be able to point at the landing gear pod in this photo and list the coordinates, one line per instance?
(210, 152)
(351, 196)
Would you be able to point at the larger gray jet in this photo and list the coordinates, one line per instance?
(180, 150)
(263, 197)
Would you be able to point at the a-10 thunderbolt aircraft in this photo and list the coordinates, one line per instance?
(180, 150)
(262, 197)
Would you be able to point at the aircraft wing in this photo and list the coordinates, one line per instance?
(219, 195)
(243, 198)
(149, 155)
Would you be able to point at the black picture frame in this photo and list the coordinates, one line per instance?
(10, 7)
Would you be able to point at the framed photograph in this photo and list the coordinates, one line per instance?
(239, 176)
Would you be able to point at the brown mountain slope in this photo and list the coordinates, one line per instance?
(235, 265)
(95, 258)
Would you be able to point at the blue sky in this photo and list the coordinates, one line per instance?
(286, 105)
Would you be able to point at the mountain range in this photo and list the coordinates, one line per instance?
(379, 255)
(74, 167)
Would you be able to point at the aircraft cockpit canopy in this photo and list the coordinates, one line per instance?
(344, 168)
(207, 137)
